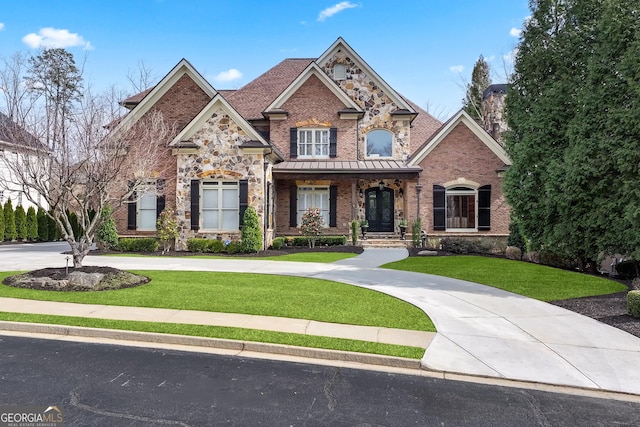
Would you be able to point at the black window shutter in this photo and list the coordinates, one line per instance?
(132, 208)
(439, 213)
(333, 201)
(484, 207)
(293, 142)
(293, 206)
(244, 199)
(160, 198)
(195, 204)
(333, 142)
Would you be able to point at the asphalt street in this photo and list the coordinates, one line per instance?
(107, 385)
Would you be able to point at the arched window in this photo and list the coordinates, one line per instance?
(379, 143)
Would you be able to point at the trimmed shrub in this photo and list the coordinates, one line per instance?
(554, 259)
(138, 244)
(251, 234)
(197, 244)
(1, 223)
(277, 243)
(21, 223)
(43, 225)
(107, 232)
(627, 269)
(416, 233)
(321, 241)
(355, 227)
(32, 224)
(54, 233)
(461, 246)
(633, 303)
(9, 221)
(234, 247)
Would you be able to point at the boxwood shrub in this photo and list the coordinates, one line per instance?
(320, 241)
(277, 243)
(205, 245)
(138, 244)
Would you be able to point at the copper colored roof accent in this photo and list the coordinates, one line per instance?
(252, 99)
(344, 167)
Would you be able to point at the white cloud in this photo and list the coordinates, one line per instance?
(510, 57)
(456, 68)
(332, 10)
(515, 32)
(228, 76)
(1, 26)
(50, 37)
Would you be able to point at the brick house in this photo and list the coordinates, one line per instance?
(326, 133)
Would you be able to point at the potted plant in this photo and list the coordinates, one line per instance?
(364, 225)
(402, 225)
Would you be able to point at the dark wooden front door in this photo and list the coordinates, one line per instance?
(379, 209)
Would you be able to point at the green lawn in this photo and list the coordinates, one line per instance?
(225, 333)
(260, 294)
(523, 278)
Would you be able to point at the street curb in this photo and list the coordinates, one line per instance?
(220, 343)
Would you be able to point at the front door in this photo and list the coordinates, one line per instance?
(379, 209)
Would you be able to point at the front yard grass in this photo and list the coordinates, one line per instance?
(248, 293)
(225, 333)
(531, 280)
(321, 257)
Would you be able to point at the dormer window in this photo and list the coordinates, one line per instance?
(339, 72)
(379, 143)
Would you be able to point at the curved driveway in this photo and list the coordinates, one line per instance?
(481, 330)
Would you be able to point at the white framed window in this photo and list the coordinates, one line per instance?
(313, 143)
(379, 143)
(314, 197)
(220, 207)
(146, 208)
(461, 208)
(339, 72)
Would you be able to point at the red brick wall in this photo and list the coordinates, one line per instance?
(179, 105)
(461, 155)
(313, 100)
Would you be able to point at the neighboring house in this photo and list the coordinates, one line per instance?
(326, 133)
(15, 144)
(493, 110)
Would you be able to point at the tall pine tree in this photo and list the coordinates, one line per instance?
(480, 80)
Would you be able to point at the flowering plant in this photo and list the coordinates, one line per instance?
(312, 223)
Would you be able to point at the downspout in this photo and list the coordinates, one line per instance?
(265, 192)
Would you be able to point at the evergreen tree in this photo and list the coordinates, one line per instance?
(21, 223)
(167, 228)
(480, 80)
(251, 236)
(1, 223)
(32, 224)
(574, 117)
(43, 225)
(107, 235)
(9, 221)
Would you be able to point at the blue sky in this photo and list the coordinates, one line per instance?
(425, 49)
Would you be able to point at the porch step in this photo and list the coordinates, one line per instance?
(384, 242)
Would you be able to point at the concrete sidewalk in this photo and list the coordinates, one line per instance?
(482, 331)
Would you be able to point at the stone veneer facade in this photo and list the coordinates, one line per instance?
(218, 157)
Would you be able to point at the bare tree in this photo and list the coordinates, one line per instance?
(73, 159)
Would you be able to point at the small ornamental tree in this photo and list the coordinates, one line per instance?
(21, 223)
(312, 223)
(9, 221)
(167, 228)
(32, 224)
(43, 225)
(107, 232)
(251, 236)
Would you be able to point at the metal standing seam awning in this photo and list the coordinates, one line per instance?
(336, 169)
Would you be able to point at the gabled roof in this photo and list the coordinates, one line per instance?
(312, 70)
(341, 45)
(218, 101)
(441, 134)
(151, 96)
(15, 136)
(254, 97)
(423, 127)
